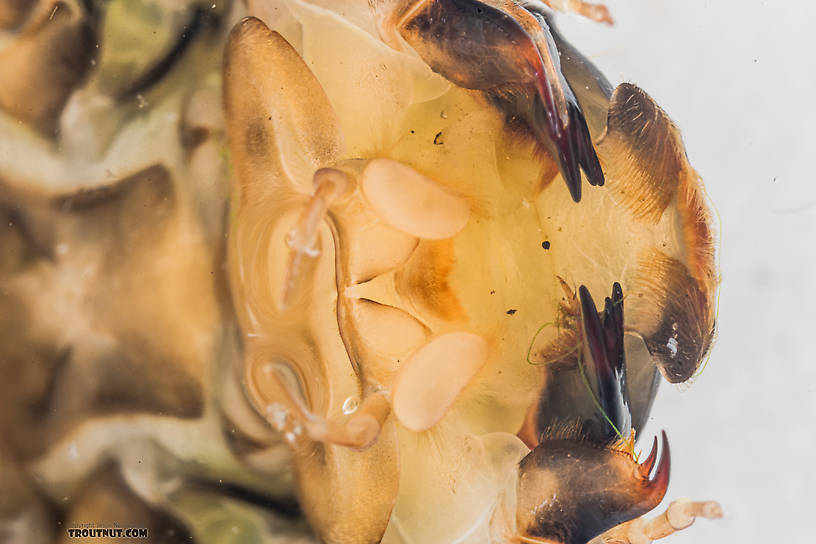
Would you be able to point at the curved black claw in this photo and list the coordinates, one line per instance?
(511, 56)
(571, 490)
(570, 144)
(648, 464)
(566, 398)
(567, 138)
(604, 338)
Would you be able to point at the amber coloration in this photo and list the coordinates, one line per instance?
(318, 263)
(420, 292)
(14, 12)
(649, 153)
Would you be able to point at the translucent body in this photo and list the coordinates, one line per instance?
(390, 278)
(405, 265)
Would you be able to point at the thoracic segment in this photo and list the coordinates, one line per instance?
(419, 292)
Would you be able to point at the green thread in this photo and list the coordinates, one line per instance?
(532, 342)
(576, 349)
(595, 399)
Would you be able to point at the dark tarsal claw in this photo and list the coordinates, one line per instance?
(567, 138)
(510, 55)
(566, 399)
(660, 482)
(586, 149)
(648, 464)
(604, 341)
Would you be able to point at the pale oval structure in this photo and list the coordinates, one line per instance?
(412, 203)
(433, 377)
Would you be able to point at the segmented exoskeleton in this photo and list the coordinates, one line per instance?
(414, 287)
(414, 284)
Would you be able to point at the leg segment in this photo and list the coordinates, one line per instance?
(329, 185)
(291, 415)
(595, 12)
(679, 515)
(571, 490)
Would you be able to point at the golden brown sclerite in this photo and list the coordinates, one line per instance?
(86, 331)
(108, 497)
(112, 294)
(14, 12)
(648, 171)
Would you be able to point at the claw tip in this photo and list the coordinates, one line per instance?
(648, 464)
(660, 482)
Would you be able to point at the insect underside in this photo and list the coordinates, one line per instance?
(428, 201)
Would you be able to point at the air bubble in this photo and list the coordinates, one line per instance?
(277, 415)
(350, 405)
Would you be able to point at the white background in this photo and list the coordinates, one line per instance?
(738, 77)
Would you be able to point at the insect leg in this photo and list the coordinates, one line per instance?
(591, 389)
(569, 144)
(291, 415)
(678, 516)
(330, 184)
(596, 12)
(571, 490)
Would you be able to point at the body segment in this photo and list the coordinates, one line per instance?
(438, 290)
